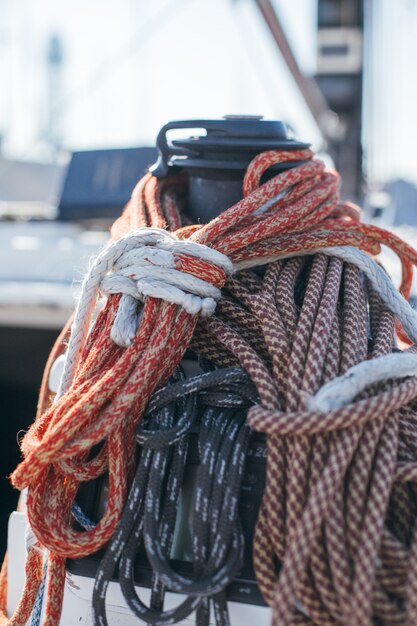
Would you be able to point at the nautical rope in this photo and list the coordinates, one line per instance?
(146, 262)
(378, 278)
(342, 390)
(35, 619)
(151, 509)
(338, 511)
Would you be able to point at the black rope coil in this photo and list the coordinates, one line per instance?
(215, 404)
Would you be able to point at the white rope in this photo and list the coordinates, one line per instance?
(379, 280)
(126, 323)
(140, 264)
(342, 390)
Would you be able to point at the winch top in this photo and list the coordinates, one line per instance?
(226, 144)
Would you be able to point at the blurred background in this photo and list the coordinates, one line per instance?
(81, 77)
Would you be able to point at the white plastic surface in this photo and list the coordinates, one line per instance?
(56, 373)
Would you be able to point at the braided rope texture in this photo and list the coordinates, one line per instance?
(339, 509)
(216, 400)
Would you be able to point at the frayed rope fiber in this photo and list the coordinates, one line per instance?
(338, 510)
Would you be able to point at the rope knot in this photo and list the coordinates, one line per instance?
(151, 262)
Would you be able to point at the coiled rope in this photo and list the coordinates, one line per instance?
(339, 505)
(151, 509)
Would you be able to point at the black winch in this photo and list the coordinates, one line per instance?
(216, 157)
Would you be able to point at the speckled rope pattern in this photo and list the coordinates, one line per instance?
(217, 402)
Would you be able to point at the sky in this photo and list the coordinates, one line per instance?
(390, 90)
(129, 66)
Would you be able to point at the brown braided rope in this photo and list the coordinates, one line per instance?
(339, 507)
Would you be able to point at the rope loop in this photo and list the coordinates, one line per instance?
(313, 422)
(146, 262)
(151, 262)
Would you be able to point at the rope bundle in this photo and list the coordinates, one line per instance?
(339, 505)
(151, 509)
